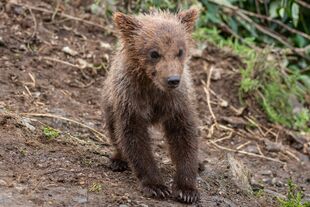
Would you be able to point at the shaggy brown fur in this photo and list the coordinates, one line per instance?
(149, 83)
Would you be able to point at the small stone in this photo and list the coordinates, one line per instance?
(143, 205)
(217, 74)
(123, 205)
(105, 45)
(276, 182)
(3, 183)
(26, 122)
(266, 172)
(273, 146)
(223, 103)
(252, 149)
(69, 51)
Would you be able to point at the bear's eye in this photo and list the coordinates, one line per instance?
(155, 55)
(180, 53)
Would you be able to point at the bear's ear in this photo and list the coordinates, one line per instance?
(127, 25)
(188, 18)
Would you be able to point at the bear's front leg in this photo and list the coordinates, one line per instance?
(181, 133)
(135, 145)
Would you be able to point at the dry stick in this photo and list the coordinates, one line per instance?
(206, 89)
(238, 37)
(73, 121)
(35, 23)
(270, 19)
(224, 138)
(243, 145)
(302, 3)
(246, 153)
(56, 10)
(61, 14)
(60, 61)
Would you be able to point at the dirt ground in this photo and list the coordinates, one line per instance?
(55, 65)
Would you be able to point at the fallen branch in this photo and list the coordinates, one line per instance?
(246, 153)
(60, 61)
(207, 89)
(102, 136)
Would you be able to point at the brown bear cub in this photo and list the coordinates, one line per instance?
(149, 83)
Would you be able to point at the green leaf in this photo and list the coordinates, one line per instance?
(282, 12)
(300, 41)
(273, 8)
(295, 13)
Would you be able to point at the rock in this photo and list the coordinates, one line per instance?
(234, 121)
(69, 51)
(224, 104)
(105, 45)
(26, 122)
(217, 74)
(273, 146)
(240, 174)
(143, 205)
(252, 149)
(3, 183)
(123, 205)
(266, 172)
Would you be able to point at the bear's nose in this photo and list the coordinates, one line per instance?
(173, 81)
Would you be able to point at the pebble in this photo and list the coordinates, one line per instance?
(123, 205)
(3, 183)
(266, 172)
(26, 122)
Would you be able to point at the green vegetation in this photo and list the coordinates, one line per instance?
(274, 86)
(50, 133)
(294, 197)
(95, 187)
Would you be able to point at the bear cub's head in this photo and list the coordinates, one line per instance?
(157, 44)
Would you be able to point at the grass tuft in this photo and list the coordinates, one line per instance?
(50, 133)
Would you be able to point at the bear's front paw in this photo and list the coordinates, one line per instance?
(187, 195)
(156, 190)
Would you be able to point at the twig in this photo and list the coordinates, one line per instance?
(302, 3)
(291, 154)
(207, 89)
(60, 61)
(246, 153)
(61, 14)
(270, 19)
(255, 124)
(243, 145)
(35, 23)
(259, 150)
(224, 138)
(262, 29)
(73, 121)
(228, 29)
(56, 10)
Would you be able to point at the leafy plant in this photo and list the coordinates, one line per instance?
(95, 187)
(294, 197)
(50, 133)
(264, 80)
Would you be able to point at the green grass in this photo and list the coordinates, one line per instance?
(95, 187)
(50, 133)
(294, 197)
(263, 78)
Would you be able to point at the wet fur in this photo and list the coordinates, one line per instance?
(135, 98)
